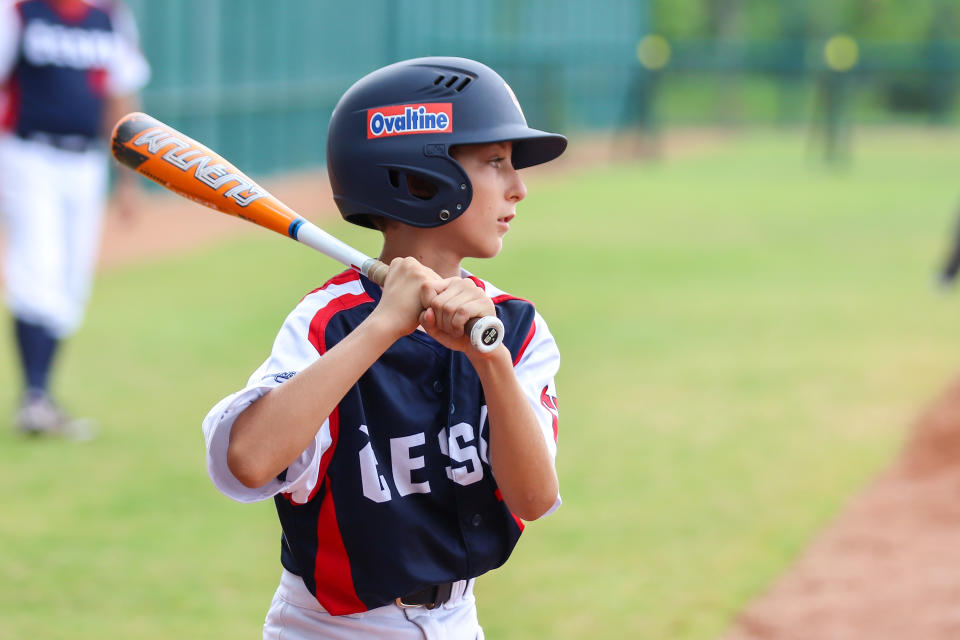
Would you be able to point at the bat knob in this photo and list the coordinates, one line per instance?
(486, 333)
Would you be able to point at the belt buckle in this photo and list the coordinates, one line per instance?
(404, 605)
(440, 595)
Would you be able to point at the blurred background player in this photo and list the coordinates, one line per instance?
(70, 69)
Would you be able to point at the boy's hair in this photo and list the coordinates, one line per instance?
(388, 145)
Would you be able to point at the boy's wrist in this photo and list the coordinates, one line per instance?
(380, 328)
(499, 357)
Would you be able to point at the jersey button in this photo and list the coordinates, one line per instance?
(437, 386)
(453, 409)
(476, 520)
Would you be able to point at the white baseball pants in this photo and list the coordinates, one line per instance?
(296, 615)
(52, 202)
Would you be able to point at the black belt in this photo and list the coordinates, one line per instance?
(430, 598)
(64, 142)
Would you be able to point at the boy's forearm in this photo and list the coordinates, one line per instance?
(270, 434)
(521, 462)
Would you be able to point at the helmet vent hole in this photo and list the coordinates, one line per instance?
(453, 83)
(421, 187)
(394, 178)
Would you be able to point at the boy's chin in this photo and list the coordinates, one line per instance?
(489, 252)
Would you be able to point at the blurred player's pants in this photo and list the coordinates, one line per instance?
(52, 202)
(296, 615)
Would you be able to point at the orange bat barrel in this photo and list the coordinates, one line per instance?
(167, 157)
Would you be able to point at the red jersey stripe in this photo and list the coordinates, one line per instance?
(343, 302)
(526, 342)
(334, 424)
(331, 572)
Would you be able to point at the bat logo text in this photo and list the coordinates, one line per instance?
(207, 169)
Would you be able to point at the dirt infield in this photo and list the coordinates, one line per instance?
(166, 223)
(888, 568)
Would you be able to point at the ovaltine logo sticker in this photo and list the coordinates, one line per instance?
(407, 119)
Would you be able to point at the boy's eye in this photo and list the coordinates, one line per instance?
(496, 161)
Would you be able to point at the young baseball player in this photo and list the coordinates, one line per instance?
(402, 461)
(69, 68)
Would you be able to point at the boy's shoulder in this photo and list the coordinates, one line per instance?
(347, 282)
(343, 291)
(338, 305)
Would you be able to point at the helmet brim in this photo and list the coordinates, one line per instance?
(538, 149)
(530, 146)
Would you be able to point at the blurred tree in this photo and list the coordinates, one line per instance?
(723, 28)
(678, 19)
(941, 75)
(890, 19)
(899, 20)
(793, 29)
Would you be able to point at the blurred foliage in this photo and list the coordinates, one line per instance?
(898, 20)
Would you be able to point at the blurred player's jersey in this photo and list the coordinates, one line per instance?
(61, 61)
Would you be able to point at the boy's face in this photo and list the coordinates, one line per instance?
(497, 188)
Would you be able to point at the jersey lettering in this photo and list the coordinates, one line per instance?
(484, 445)
(404, 464)
(374, 485)
(455, 447)
(55, 45)
(551, 404)
(460, 445)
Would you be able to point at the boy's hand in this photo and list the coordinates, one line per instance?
(448, 305)
(400, 306)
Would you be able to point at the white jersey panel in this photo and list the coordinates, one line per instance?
(536, 371)
(292, 352)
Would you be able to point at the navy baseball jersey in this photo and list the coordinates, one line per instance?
(61, 63)
(396, 492)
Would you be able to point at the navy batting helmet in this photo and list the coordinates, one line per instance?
(401, 121)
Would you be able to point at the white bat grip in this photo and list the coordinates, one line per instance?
(486, 333)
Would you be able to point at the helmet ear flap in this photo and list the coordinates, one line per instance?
(440, 194)
(416, 185)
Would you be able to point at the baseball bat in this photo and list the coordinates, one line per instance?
(186, 167)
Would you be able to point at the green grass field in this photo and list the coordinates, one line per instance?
(746, 335)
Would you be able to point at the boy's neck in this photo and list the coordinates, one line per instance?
(419, 244)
